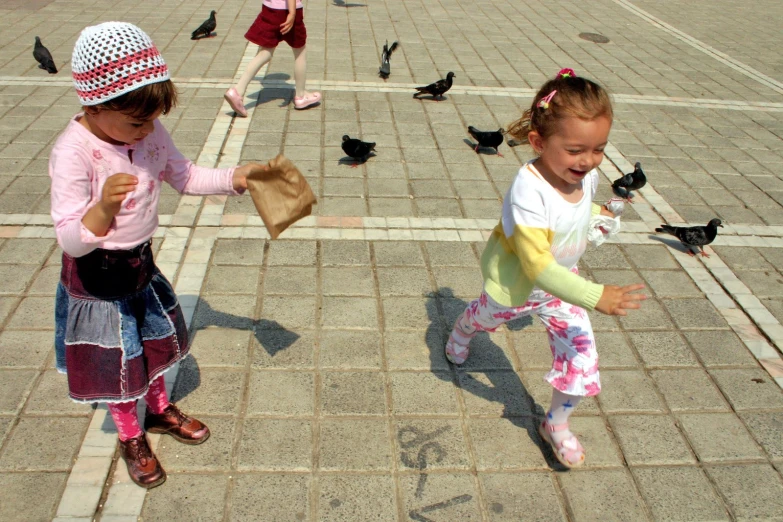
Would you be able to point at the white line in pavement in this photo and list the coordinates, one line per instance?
(407, 88)
(747, 70)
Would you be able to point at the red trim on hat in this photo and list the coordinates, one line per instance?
(106, 69)
(121, 83)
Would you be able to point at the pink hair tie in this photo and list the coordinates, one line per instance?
(544, 102)
(566, 73)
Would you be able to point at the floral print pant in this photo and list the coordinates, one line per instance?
(575, 359)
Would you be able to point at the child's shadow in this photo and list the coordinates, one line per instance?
(271, 335)
(488, 373)
(273, 87)
(342, 3)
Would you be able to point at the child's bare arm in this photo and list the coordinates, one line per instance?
(289, 21)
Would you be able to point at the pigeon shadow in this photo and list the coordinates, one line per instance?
(347, 160)
(485, 150)
(488, 374)
(271, 90)
(440, 98)
(342, 3)
(671, 243)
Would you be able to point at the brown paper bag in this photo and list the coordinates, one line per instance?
(281, 195)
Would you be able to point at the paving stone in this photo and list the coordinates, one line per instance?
(19, 488)
(752, 491)
(650, 256)
(423, 393)
(608, 256)
(349, 312)
(742, 258)
(601, 450)
(689, 390)
(404, 313)
(451, 254)
(648, 439)
(628, 391)
(239, 252)
(403, 281)
(276, 445)
(278, 497)
(43, 444)
(415, 350)
(224, 311)
(46, 281)
(662, 349)
(532, 348)
(218, 347)
(348, 281)
(207, 390)
(694, 313)
(187, 495)
(494, 393)
(614, 350)
(289, 313)
(398, 253)
(612, 495)
(355, 445)
(287, 280)
(283, 349)
(29, 312)
(15, 278)
(430, 444)
(352, 393)
(458, 282)
(762, 284)
(232, 280)
(681, 493)
(452, 497)
(766, 429)
(507, 444)
(343, 498)
(50, 397)
(720, 348)
(15, 386)
(521, 496)
(214, 455)
(344, 349)
(25, 251)
(651, 316)
(717, 437)
(670, 283)
(342, 253)
(5, 426)
(301, 253)
(749, 389)
(281, 393)
(489, 351)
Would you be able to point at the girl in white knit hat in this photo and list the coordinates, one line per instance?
(119, 325)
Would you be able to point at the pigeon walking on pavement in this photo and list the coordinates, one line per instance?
(385, 69)
(43, 57)
(436, 89)
(205, 30)
(694, 236)
(357, 149)
(487, 139)
(631, 181)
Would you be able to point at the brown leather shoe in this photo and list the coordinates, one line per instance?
(143, 467)
(175, 423)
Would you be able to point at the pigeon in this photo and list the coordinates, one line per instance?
(436, 89)
(357, 149)
(205, 30)
(385, 69)
(487, 139)
(694, 236)
(43, 57)
(631, 181)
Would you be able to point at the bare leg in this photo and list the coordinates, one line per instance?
(261, 59)
(300, 71)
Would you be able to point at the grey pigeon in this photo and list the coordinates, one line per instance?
(357, 149)
(205, 30)
(694, 236)
(631, 181)
(436, 89)
(385, 69)
(43, 57)
(487, 139)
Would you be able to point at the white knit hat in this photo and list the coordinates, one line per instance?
(112, 59)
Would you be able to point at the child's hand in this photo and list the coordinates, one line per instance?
(289, 22)
(241, 173)
(615, 300)
(114, 191)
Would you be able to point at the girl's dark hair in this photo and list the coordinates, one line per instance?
(145, 101)
(576, 97)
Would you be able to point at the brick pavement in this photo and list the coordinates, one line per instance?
(317, 358)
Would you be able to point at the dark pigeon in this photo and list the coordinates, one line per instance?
(631, 181)
(694, 236)
(43, 57)
(487, 139)
(205, 30)
(385, 69)
(357, 149)
(436, 89)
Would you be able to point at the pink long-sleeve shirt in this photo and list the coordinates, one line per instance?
(280, 4)
(79, 165)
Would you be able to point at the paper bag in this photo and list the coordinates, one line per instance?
(281, 195)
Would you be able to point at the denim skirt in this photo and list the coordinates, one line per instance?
(118, 324)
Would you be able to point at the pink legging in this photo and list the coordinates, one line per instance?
(124, 413)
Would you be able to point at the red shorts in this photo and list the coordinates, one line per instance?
(265, 31)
